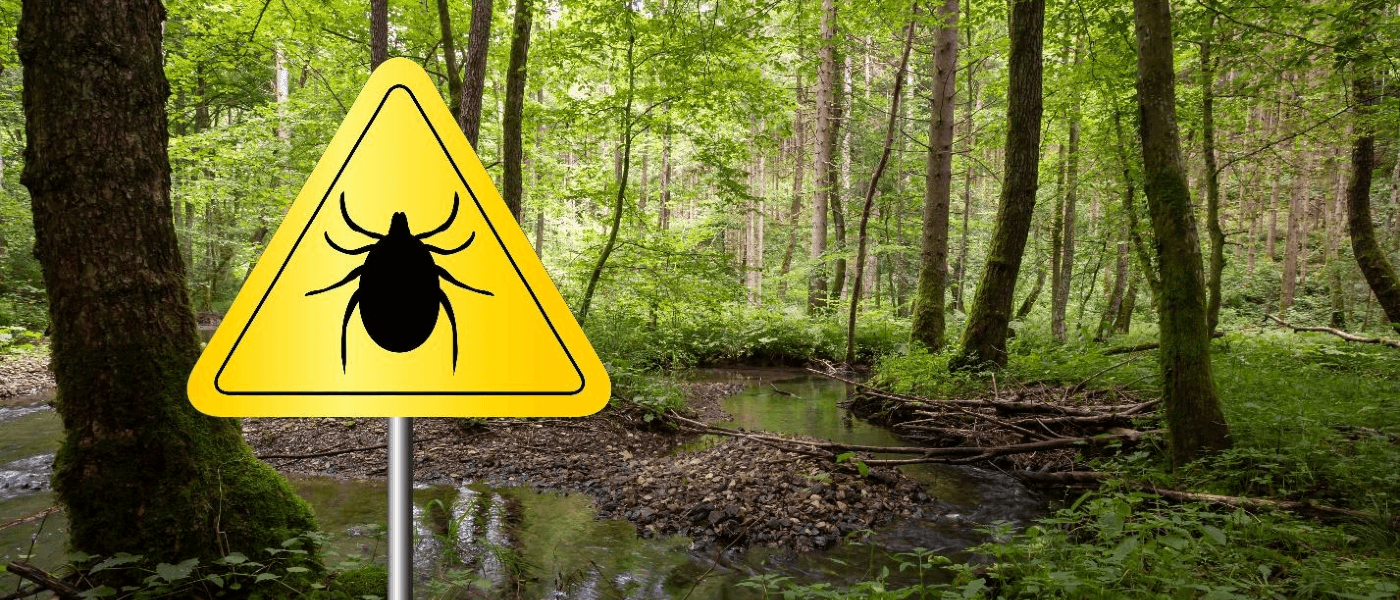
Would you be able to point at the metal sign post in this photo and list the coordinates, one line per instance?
(401, 508)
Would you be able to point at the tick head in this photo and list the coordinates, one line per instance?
(398, 226)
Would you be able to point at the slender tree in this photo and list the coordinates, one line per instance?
(1212, 174)
(928, 326)
(474, 79)
(984, 339)
(874, 185)
(1379, 273)
(140, 470)
(826, 138)
(1194, 420)
(512, 150)
(378, 32)
(449, 54)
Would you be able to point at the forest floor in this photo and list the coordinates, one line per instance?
(721, 492)
(24, 373)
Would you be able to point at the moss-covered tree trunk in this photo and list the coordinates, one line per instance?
(929, 324)
(1380, 275)
(825, 174)
(1194, 420)
(984, 339)
(140, 470)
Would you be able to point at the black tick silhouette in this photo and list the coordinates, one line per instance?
(399, 292)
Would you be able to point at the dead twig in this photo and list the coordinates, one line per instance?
(1337, 332)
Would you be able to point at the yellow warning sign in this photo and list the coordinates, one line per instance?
(399, 284)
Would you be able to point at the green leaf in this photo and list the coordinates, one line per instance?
(844, 456)
(120, 558)
(234, 558)
(1214, 533)
(297, 569)
(101, 591)
(266, 576)
(214, 579)
(171, 572)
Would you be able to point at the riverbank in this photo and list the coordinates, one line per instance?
(722, 493)
(25, 373)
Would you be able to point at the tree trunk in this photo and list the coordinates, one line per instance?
(826, 134)
(928, 326)
(870, 189)
(1380, 275)
(799, 152)
(1194, 420)
(1028, 304)
(1294, 240)
(984, 340)
(1067, 233)
(474, 79)
(512, 148)
(1212, 174)
(959, 291)
(449, 52)
(1057, 231)
(628, 122)
(378, 33)
(1115, 297)
(140, 470)
(837, 191)
(1124, 322)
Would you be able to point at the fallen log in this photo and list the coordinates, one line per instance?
(44, 580)
(1091, 478)
(1337, 332)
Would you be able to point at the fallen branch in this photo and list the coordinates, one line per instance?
(1337, 332)
(926, 454)
(33, 517)
(1083, 478)
(23, 593)
(44, 580)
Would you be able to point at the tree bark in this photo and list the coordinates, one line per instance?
(870, 189)
(799, 152)
(1212, 174)
(378, 33)
(929, 325)
(959, 291)
(449, 52)
(826, 134)
(984, 340)
(837, 188)
(1192, 408)
(474, 79)
(1379, 273)
(512, 147)
(140, 470)
(1294, 240)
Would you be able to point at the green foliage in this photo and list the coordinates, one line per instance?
(290, 569)
(18, 339)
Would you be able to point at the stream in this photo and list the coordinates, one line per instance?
(473, 538)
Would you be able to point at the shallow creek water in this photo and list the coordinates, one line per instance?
(551, 545)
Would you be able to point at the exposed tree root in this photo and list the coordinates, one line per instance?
(1337, 332)
(1093, 479)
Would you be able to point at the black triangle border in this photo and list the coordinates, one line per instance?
(583, 383)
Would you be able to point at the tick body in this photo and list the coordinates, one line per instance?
(400, 291)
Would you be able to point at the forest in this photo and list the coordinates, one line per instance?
(898, 299)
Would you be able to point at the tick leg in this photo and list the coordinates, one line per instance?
(441, 228)
(437, 250)
(453, 280)
(344, 251)
(345, 214)
(350, 309)
(452, 319)
(348, 278)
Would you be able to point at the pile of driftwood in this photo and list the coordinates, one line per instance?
(1025, 427)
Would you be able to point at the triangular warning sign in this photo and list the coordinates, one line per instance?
(399, 284)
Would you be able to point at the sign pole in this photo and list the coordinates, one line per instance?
(401, 508)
